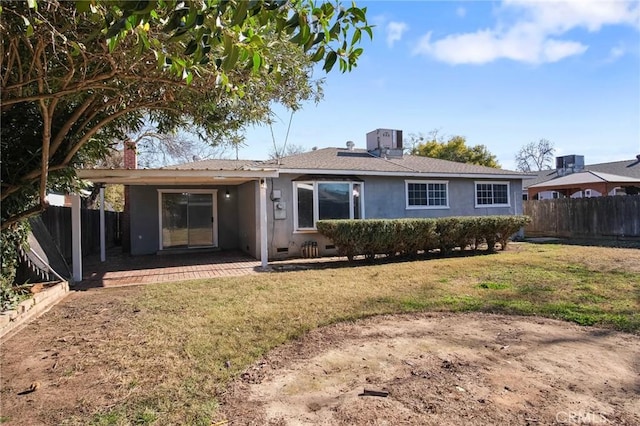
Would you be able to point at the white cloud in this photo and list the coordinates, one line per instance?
(555, 50)
(489, 45)
(395, 30)
(379, 20)
(589, 14)
(616, 52)
(535, 36)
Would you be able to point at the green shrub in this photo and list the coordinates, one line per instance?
(405, 236)
(11, 240)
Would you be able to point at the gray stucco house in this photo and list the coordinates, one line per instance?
(268, 209)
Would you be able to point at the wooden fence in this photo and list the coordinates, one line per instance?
(598, 217)
(58, 222)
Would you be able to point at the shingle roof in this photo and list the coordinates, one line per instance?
(627, 168)
(327, 160)
(360, 160)
(216, 165)
(587, 177)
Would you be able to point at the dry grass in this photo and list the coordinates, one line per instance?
(188, 339)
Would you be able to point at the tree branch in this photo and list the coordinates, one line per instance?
(67, 126)
(23, 215)
(96, 129)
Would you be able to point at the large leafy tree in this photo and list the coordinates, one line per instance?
(454, 148)
(78, 76)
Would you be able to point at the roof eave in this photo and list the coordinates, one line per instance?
(175, 176)
(405, 174)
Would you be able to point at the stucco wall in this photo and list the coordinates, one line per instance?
(145, 238)
(248, 235)
(144, 219)
(237, 221)
(384, 198)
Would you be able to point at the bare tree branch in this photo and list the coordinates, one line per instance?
(535, 156)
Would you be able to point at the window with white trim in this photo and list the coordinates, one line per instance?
(492, 194)
(317, 200)
(421, 194)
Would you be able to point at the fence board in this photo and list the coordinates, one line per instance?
(598, 217)
(58, 221)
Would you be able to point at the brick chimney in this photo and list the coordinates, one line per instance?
(130, 155)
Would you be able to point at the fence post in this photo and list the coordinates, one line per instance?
(76, 238)
(103, 244)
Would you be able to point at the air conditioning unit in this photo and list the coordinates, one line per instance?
(384, 139)
(569, 164)
(385, 142)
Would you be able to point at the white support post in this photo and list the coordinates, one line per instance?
(264, 254)
(76, 238)
(103, 243)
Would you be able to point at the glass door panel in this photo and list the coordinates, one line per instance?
(200, 220)
(187, 220)
(174, 220)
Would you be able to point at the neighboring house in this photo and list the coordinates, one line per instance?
(269, 209)
(572, 178)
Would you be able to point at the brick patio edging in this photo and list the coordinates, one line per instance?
(27, 310)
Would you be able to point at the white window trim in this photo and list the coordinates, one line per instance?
(316, 208)
(491, 182)
(295, 206)
(406, 194)
(214, 194)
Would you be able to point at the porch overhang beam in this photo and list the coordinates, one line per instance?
(175, 176)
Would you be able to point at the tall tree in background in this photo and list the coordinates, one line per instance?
(156, 149)
(453, 149)
(78, 76)
(535, 156)
(276, 153)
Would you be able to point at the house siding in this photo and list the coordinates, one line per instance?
(384, 198)
(145, 238)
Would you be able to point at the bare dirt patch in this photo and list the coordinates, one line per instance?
(445, 369)
(56, 369)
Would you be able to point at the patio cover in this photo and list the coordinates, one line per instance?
(222, 176)
(569, 184)
(174, 176)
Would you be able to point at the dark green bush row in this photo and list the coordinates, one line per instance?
(402, 236)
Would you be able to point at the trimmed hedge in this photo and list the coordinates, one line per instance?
(403, 236)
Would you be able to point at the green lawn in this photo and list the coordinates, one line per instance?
(191, 338)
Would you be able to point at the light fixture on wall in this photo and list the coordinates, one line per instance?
(227, 194)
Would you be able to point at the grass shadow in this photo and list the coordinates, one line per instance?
(629, 242)
(381, 259)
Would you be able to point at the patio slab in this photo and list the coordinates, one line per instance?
(121, 270)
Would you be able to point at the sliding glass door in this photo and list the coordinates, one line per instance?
(187, 219)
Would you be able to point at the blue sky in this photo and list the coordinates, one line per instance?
(500, 73)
